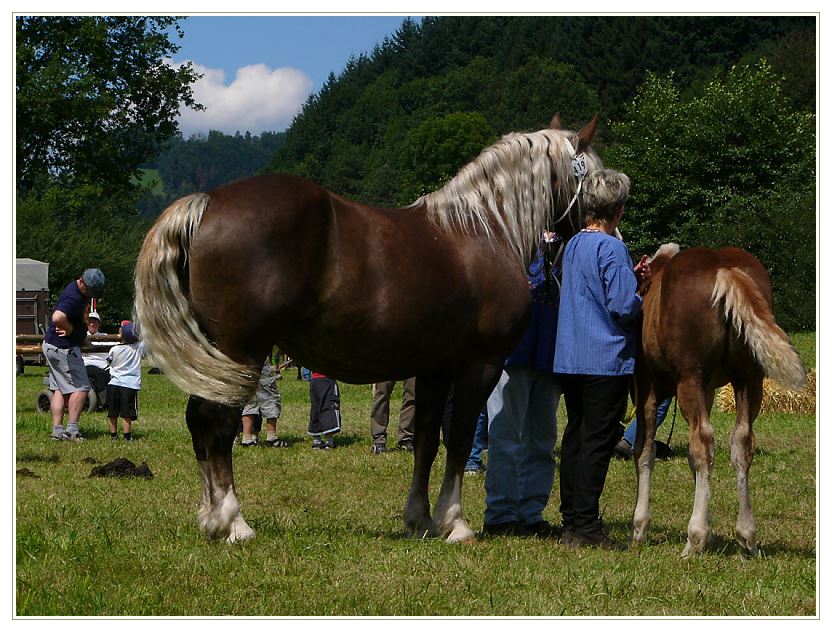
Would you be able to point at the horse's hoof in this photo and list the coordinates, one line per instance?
(750, 551)
(461, 532)
(240, 533)
(418, 532)
(691, 549)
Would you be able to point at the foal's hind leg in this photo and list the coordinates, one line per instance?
(470, 394)
(431, 394)
(644, 455)
(213, 428)
(695, 405)
(748, 397)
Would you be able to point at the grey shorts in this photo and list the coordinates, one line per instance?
(67, 373)
(267, 403)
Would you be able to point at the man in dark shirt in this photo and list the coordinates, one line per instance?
(66, 332)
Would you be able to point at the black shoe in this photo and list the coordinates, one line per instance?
(277, 443)
(329, 444)
(505, 529)
(248, 444)
(623, 450)
(378, 448)
(595, 538)
(317, 444)
(405, 446)
(544, 529)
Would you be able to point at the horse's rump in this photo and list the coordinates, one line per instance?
(714, 301)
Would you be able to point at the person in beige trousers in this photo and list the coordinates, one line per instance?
(380, 415)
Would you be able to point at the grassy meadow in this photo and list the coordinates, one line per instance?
(330, 537)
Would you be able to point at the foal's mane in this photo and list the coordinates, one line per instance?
(506, 192)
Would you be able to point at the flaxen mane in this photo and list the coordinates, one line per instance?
(509, 185)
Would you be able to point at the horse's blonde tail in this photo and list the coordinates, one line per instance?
(749, 313)
(167, 323)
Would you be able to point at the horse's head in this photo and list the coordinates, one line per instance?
(570, 164)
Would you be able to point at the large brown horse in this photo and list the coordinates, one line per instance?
(437, 290)
(708, 321)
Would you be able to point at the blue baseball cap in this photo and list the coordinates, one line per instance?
(129, 333)
(94, 280)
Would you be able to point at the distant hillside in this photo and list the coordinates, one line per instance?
(202, 163)
(372, 132)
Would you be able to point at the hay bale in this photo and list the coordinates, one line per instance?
(775, 398)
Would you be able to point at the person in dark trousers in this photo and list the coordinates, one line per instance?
(61, 347)
(599, 317)
(98, 371)
(324, 412)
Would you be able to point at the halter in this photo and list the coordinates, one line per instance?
(579, 170)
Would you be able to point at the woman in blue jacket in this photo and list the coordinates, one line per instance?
(595, 352)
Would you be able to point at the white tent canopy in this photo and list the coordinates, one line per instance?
(32, 276)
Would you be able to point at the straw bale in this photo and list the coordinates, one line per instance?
(775, 398)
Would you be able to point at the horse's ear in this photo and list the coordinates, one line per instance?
(586, 134)
(555, 124)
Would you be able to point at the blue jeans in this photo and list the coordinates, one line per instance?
(522, 431)
(661, 413)
(475, 458)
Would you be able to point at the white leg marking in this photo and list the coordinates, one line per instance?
(447, 516)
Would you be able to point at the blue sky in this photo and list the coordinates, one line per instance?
(259, 70)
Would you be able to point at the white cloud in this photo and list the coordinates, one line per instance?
(258, 100)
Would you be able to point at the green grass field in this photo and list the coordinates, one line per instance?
(330, 537)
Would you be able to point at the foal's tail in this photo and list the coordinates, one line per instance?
(167, 323)
(750, 314)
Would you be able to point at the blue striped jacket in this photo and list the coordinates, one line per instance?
(599, 308)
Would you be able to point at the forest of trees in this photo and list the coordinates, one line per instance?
(202, 163)
(713, 117)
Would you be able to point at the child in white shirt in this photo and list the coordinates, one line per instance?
(125, 381)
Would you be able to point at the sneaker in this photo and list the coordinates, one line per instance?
(505, 529)
(544, 529)
(405, 446)
(595, 538)
(248, 444)
(473, 471)
(378, 448)
(623, 450)
(131, 438)
(75, 438)
(61, 436)
(329, 444)
(317, 444)
(277, 443)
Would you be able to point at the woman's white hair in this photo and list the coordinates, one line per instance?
(604, 191)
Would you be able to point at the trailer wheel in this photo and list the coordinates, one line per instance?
(44, 399)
